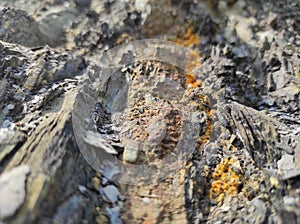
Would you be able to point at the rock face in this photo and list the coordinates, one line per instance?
(18, 27)
(209, 133)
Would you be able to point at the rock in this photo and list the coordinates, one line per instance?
(110, 193)
(157, 130)
(10, 106)
(243, 31)
(284, 145)
(226, 205)
(99, 140)
(246, 107)
(287, 167)
(83, 3)
(290, 174)
(70, 211)
(114, 215)
(241, 51)
(259, 213)
(6, 134)
(280, 78)
(130, 154)
(109, 171)
(12, 190)
(289, 200)
(18, 27)
(56, 24)
(269, 101)
(286, 163)
(288, 216)
(230, 35)
(58, 66)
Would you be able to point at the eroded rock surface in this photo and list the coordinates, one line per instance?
(241, 80)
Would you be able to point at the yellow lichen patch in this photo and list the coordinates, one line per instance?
(203, 104)
(227, 145)
(233, 148)
(226, 181)
(205, 138)
(193, 60)
(189, 38)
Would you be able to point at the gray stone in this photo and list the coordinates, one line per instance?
(10, 106)
(110, 193)
(291, 174)
(114, 215)
(5, 111)
(83, 3)
(286, 163)
(157, 132)
(260, 210)
(99, 141)
(243, 31)
(255, 36)
(284, 145)
(109, 171)
(269, 101)
(19, 27)
(55, 24)
(6, 133)
(230, 35)
(70, 211)
(289, 200)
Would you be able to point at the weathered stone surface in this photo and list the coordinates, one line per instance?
(18, 27)
(246, 164)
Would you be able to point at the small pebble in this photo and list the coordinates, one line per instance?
(10, 106)
(146, 200)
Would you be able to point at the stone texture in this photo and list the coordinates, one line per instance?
(247, 68)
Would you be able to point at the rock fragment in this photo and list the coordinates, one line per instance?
(130, 154)
(110, 193)
(12, 190)
(258, 211)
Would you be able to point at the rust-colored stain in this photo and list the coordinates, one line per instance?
(188, 39)
(193, 61)
(192, 81)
